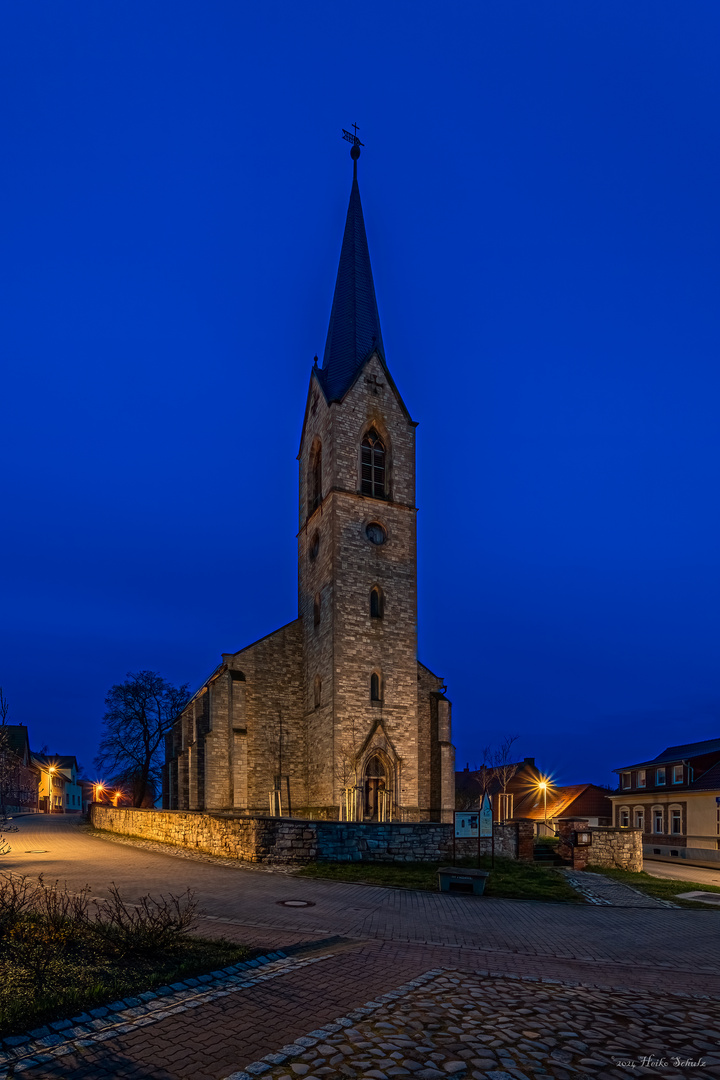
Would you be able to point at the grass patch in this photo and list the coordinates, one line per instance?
(79, 981)
(662, 888)
(61, 954)
(510, 880)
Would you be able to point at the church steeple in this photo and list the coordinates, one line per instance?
(354, 330)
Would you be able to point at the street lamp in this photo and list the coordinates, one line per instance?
(98, 788)
(51, 770)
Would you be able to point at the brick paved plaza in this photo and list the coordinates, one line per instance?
(366, 942)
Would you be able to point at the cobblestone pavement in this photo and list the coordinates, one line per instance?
(367, 941)
(604, 891)
(455, 1024)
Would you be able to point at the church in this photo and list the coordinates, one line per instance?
(333, 715)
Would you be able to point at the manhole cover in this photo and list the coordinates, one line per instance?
(37, 851)
(295, 903)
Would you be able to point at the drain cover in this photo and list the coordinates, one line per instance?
(296, 903)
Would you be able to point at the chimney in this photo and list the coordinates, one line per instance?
(530, 761)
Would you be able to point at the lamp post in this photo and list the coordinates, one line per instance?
(98, 788)
(51, 770)
(543, 787)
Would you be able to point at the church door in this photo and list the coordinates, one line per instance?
(375, 782)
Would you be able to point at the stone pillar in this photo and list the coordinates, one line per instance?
(576, 856)
(525, 839)
(447, 760)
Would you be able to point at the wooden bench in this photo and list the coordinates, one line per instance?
(455, 877)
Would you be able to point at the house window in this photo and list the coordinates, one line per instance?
(639, 819)
(676, 821)
(375, 687)
(376, 603)
(658, 824)
(641, 778)
(316, 610)
(315, 477)
(677, 774)
(625, 779)
(660, 776)
(372, 454)
(624, 818)
(318, 691)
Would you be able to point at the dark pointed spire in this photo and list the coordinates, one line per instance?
(354, 330)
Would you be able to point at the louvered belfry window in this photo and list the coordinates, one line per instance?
(373, 466)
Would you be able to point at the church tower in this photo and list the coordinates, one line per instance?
(332, 715)
(377, 721)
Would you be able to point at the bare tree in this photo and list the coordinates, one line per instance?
(4, 708)
(13, 786)
(479, 783)
(503, 768)
(139, 714)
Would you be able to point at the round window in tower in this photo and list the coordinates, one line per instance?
(315, 545)
(375, 533)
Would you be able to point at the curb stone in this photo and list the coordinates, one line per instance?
(21, 1052)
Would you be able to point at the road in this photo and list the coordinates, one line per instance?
(679, 872)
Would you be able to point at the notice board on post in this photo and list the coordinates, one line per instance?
(486, 817)
(466, 824)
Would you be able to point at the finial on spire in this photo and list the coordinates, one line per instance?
(356, 144)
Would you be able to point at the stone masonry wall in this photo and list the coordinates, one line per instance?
(266, 839)
(615, 847)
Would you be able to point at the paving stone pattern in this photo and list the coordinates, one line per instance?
(453, 1024)
(597, 889)
(41, 1045)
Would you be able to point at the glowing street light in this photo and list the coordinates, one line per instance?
(542, 785)
(51, 770)
(98, 789)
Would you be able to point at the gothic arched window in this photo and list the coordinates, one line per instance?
(377, 606)
(316, 610)
(372, 455)
(315, 477)
(318, 691)
(375, 688)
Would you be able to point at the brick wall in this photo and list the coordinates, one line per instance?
(266, 839)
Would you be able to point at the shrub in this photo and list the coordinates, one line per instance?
(17, 896)
(148, 927)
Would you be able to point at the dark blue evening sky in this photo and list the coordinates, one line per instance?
(540, 185)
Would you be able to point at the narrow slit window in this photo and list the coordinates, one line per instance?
(376, 603)
(375, 687)
(317, 610)
(318, 691)
(315, 478)
(372, 479)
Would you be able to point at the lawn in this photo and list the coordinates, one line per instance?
(61, 955)
(509, 880)
(663, 888)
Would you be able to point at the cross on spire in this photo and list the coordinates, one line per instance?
(349, 137)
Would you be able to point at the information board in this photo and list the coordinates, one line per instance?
(466, 824)
(486, 817)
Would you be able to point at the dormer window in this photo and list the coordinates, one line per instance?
(372, 457)
(677, 774)
(660, 777)
(625, 779)
(641, 778)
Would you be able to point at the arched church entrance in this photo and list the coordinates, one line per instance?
(376, 783)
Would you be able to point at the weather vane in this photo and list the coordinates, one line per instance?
(349, 137)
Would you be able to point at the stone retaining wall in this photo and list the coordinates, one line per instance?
(266, 839)
(609, 846)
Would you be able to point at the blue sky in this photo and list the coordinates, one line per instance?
(540, 187)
